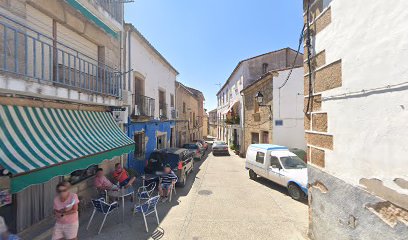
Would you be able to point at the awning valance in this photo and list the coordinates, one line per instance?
(38, 144)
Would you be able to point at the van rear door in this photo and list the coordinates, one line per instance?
(259, 166)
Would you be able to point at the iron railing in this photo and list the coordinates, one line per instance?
(144, 106)
(29, 53)
(113, 7)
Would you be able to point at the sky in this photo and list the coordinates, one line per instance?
(205, 39)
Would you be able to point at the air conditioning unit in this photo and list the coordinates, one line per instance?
(127, 97)
(137, 110)
(120, 115)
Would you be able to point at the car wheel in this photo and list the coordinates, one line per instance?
(252, 175)
(295, 192)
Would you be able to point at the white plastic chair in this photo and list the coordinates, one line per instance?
(148, 208)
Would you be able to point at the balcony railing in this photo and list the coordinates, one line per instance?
(163, 110)
(29, 53)
(144, 106)
(113, 7)
(232, 120)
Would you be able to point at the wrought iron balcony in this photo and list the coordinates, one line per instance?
(28, 53)
(113, 7)
(144, 106)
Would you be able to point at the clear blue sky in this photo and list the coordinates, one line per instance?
(205, 39)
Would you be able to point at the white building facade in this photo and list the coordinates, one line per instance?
(230, 104)
(151, 98)
(356, 125)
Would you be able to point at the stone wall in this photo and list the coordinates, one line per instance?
(257, 121)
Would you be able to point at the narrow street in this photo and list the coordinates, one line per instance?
(219, 202)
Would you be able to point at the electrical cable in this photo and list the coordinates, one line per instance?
(297, 54)
(308, 45)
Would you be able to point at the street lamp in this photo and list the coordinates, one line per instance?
(259, 99)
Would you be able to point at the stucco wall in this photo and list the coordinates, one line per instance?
(368, 62)
(148, 66)
(151, 130)
(356, 129)
(288, 107)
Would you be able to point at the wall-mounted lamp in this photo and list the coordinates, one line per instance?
(259, 97)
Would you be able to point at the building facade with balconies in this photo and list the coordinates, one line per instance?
(60, 89)
(230, 108)
(150, 87)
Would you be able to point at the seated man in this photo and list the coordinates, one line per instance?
(121, 175)
(167, 179)
(102, 183)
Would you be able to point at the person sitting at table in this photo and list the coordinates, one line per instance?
(102, 183)
(121, 175)
(167, 179)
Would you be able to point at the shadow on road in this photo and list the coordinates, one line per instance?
(277, 187)
(133, 226)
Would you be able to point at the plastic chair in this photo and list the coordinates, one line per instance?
(145, 192)
(148, 208)
(101, 206)
(173, 189)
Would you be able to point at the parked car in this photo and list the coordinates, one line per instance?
(203, 142)
(219, 147)
(180, 159)
(195, 148)
(279, 165)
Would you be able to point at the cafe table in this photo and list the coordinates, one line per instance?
(122, 193)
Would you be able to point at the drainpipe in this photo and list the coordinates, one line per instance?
(175, 101)
(242, 123)
(129, 59)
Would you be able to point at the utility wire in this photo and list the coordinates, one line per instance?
(297, 54)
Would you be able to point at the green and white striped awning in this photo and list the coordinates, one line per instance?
(38, 144)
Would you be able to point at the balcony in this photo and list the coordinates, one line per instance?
(30, 54)
(163, 110)
(112, 7)
(144, 106)
(232, 120)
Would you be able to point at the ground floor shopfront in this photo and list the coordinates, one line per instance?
(148, 136)
(42, 146)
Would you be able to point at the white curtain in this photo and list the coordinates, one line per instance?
(35, 203)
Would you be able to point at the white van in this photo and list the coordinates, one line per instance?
(279, 165)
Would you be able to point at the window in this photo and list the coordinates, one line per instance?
(139, 139)
(260, 157)
(80, 175)
(254, 138)
(264, 68)
(275, 162)
(171, 100)
(184, 107)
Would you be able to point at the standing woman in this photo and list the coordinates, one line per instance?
(66, 213)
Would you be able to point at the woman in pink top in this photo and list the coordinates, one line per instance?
(66, 213)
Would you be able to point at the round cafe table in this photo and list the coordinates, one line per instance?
(122, 193)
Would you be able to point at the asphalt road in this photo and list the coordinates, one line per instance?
(218, 202)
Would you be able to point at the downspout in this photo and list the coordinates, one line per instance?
(175, 100)
(242, 148)
(129, 59)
